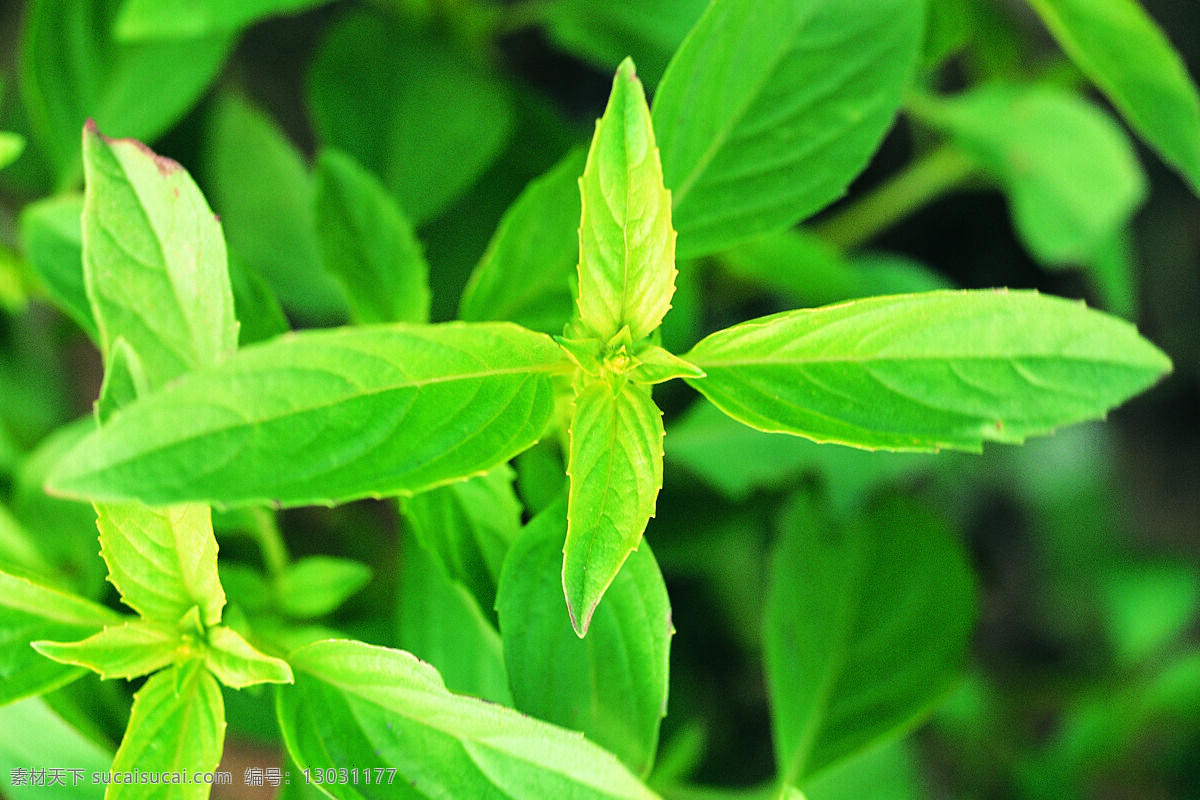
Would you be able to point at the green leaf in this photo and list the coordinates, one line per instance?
(605, 31)
(129, 650)
(1120, 48)
(409, 108)
(315, 586)
(33, 735)
(177, 723)
(19, 549)
(615, 468)
(769, 109)
(612, 685)
(11, 147)
(656, 365)
(867, 626)
(1070, 173)
(374, 707)
(29, 612)
(51, 233)
(238, 664)
(948, 26)
(927, 371)
(328, 416)
(440, 622)
(525, 275)
(72, 70)
(879, 773)
(124, 380)
(153, 260)
(367, 243)
(187, 19)
(626, 244)
(163, 561)
(262, 190)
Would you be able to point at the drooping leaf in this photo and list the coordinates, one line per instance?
(316, 585)
(440, 622)
(52, 236)
(177, 723)
(866, 628)
(262, 190)
(626, 243)
(769, 109)
(376, 707)
(11, 147)
(33, 735)
(409, 108)
(72, 70)
(615, 467)
(1069, 171)
(163, 561)
(188, 19)
(30, 612)
(128, 650)
(153, 260)
(328, 416)
(611, 685)
(467, 528)
(927, 371)
(238, 664)
(1121, 49)
(606, 31)
(367, 243)
(525, 275)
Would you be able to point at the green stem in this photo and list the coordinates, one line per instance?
(270, 542)
(943, 169)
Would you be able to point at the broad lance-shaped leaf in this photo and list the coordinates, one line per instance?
(866, 628)
(626, 243)
(615, 467)
(30, 612)
(163, 561)
(1121, 49)
(129, 650)
(177, 723)
(236, 662)
(375, 707)
(769, 109)
(327, 416)
(612, 685)
(947, 369)
(153, 260)
(368, 244)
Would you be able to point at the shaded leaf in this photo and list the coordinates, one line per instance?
(769, 109)
(51, 233)
(927, 371)
(615, 467)
(317, 585)
(328, 416)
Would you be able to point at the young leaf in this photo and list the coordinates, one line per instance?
(440, 622)
(52, 237)
(525, 275)
(375, 707)
(367, 243)
(409, 108)
(927, 371)
(328, 416)
(11, 147)
(153, 260)
(129, 650)
(769, 109)
(612, 685)
(656, 365)
(72, 69)
(31, 612)
(615, 468)
(177, 723)
(316, 585)
(1120, 48)
(1069, 171)
(866, 628)
(187, 19)
(163, 561)
(626, 243)
(467, 527)
(237, 663)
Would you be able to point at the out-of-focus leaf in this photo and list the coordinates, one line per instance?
(317, 585)
(188, 19)
(34, 736)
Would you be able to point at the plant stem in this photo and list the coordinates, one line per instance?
(936, 173)
(270, 542)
